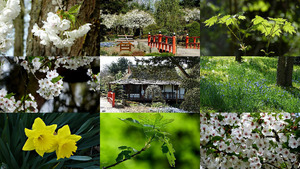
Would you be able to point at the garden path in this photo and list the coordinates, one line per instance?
(105, 106)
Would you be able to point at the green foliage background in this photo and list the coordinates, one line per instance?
(184, 137)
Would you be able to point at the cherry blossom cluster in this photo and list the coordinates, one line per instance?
(133, 19)
(50, 86)
(191, 14)
(8, 12)
(95, 82)
(249, 140)
(8, 103)
(55, 27)
(73, 63)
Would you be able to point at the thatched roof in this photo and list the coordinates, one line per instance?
(150, 75)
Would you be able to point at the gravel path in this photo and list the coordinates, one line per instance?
(105, 106)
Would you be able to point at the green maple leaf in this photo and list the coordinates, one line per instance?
(241, 17)
(258, 20)
(278, 20)
(211, 21)
(225, 19)
(277, 31)
(288, 28)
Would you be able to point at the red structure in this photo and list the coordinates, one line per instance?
(111, 98)
(193, 44)
(161, 42)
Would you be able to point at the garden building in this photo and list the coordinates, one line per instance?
(137, 79)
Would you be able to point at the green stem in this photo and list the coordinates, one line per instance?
(137, 153)
(234, 34)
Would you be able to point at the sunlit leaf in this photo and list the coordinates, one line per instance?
(210, 22)
(169, 151)
(241, 17)
(74, 9)
(132, 122)
(289, 28)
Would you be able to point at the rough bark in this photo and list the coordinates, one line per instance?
(19, 32)
(88, 45)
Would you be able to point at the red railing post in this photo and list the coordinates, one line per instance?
(194, 42)
(159, 40)
(174, 43)
(153, 44)
(149, 39)
(187, 41)
(166, 45)
(113, 99)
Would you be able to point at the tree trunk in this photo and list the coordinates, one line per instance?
(88, 45)
(19, 32)
(285, 71)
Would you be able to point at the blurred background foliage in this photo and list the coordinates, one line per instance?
(13, 138)
(217, 40)
(184, 137)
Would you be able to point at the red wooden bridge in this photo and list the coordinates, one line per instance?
(168, 43)
(192, 44)
(162, 42)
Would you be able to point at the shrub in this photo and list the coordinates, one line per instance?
(194, 28)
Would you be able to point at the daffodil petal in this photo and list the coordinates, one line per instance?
(40, 152)
(74, 137)
(28, 146)
(51, 128)
(28, 132)
(38, 124)
(64, 131)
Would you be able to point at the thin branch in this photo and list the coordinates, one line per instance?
(271, 164)
(59, 5)
(143, 149)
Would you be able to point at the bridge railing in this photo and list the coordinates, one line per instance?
(194, 44)
(163, 43)
(111, 98)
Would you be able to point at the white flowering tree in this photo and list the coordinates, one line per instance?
(249, 140)
(191, 14)
(138, 19)
(135, 19)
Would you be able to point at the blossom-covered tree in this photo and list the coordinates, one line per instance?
(133, 19)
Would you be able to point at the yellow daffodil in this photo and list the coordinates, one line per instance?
(41, 138)
(66, 142)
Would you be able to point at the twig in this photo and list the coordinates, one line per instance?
(59, 5)
(143, 149)
(271, 164)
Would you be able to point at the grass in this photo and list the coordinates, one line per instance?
(250, 86)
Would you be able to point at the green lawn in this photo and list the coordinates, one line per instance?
(250, 86)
